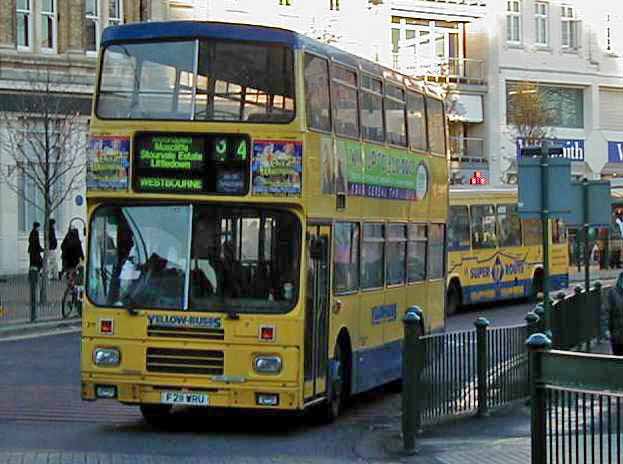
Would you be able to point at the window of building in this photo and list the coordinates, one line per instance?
(24, 23)
(396, 254)
(570, 28)
(372, 256)
(436, 251)
(483, 223)
(115, 12)
(609, 33)
(48, 25)
(436, 126)
(395, 115)
(92, 25)
(541, 23)
(334, 5)
(416, 120)
(344, 93)
(285, 2)
(509, 225)
(371, 113)
(458, 228)
(417, 252)
(513, 21)
(564, 105)
(30, 203)
(317, 93)
(346, 257)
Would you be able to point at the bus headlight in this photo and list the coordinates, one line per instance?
(106, 357)
(267, 364)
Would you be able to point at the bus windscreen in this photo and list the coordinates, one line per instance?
(203, 80)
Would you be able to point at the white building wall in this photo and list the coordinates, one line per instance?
(589, 68)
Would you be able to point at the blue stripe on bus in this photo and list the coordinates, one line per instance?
(375, 366)
(470, 292)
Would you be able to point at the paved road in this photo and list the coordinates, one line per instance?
(41, 415)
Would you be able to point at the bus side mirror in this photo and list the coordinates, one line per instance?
(317, 248)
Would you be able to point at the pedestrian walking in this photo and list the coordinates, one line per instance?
(34, 248)
(52, 256)
(71, 250)
(615, 316)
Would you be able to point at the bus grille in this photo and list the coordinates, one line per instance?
(182, 361)
(185, 332)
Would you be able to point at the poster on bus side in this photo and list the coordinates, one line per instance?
(108, 159)
(277, 167)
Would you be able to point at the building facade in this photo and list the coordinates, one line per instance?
(47, 53)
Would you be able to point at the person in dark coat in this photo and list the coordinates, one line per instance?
(34, 247)
(71, 250)
(53, 245)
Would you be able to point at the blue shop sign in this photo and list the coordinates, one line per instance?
(615, 152)
(572, 149)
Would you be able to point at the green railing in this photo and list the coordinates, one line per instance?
(458, 373)
(577, 405)
(576, 319)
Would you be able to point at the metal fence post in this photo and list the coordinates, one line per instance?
(539, 310)
(537, 343)
(33, 279)
(482, 364)
(410, 377)
(532, 322)
(597, 311)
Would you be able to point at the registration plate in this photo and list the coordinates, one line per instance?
(184, 398)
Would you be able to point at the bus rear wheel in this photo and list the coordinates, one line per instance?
(156, 415)
(453, 298)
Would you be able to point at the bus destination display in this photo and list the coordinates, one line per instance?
(191, 163)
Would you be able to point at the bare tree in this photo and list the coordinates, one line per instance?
(527, 114)
(528, 117)
(43, 146)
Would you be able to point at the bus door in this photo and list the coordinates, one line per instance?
(317, 310)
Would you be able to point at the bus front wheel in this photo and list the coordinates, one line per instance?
(156, 415)
(339, 385)
(453, 298)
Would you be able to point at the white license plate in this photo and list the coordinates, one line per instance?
(184, 398)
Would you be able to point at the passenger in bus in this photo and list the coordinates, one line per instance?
(231, 272)
(204, 280)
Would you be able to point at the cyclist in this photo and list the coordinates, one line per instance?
(71, 251)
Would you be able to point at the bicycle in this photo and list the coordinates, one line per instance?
(72, 298)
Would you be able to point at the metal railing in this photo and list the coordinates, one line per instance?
(467, 149)
(15, 300)
(444, 70)
(576, 405)
(577, 319)
(450, 374)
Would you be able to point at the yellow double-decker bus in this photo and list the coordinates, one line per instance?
(263, 209)
(493, 254)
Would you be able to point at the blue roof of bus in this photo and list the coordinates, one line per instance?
(198, 29)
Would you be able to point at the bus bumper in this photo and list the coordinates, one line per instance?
(247, 396)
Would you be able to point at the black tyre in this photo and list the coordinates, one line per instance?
(340, 388)
(453, 299)
(69, 300)
(157, 415)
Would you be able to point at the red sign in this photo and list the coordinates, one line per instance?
(478, 179)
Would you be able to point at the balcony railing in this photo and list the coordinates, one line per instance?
(447, 70)
(467, 150)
